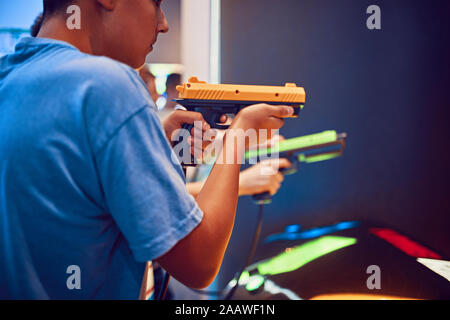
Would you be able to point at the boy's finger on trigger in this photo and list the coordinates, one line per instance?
(281, 111)
(223, 118)
(285, 163)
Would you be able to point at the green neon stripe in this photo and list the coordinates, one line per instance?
(244, 277)
(254, 282)
(296, 143)
(317, 158)
(299, 256)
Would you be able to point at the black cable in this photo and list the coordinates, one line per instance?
(250, 254)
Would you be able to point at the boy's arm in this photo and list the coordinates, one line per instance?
(194, 188)
(196, 260)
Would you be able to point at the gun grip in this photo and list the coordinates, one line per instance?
(265, 197)
(187, 127)
(262, 198)
(192, 162)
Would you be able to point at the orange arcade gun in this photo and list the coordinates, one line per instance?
(215, 100)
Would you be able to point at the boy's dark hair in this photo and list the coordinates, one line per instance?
(173, 80)
(53, 6)
(37, 25)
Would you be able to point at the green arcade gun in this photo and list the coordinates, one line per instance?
(307, 149)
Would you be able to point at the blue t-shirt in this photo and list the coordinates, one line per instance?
(86, 176)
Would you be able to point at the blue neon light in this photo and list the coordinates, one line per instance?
(292, 234)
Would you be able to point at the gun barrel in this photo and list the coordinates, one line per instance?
(200, 90)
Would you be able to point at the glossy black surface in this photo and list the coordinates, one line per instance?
(344, 271)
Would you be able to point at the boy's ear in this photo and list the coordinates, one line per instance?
(108, 4)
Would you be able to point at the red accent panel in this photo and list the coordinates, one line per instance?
(404, 244)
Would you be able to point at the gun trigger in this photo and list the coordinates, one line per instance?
(220, 126)
(295, 164)
(215, 122)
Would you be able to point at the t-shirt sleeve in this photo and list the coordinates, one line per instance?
(144, 187)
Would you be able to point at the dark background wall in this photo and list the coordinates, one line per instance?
(388, 89)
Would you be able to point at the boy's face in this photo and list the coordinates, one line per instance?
(132, 29)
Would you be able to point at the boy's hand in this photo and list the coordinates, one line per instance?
(262, 116)
(270, 143)
(262, 177)
(178, 118)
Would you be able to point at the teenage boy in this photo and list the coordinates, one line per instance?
(88, 189)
